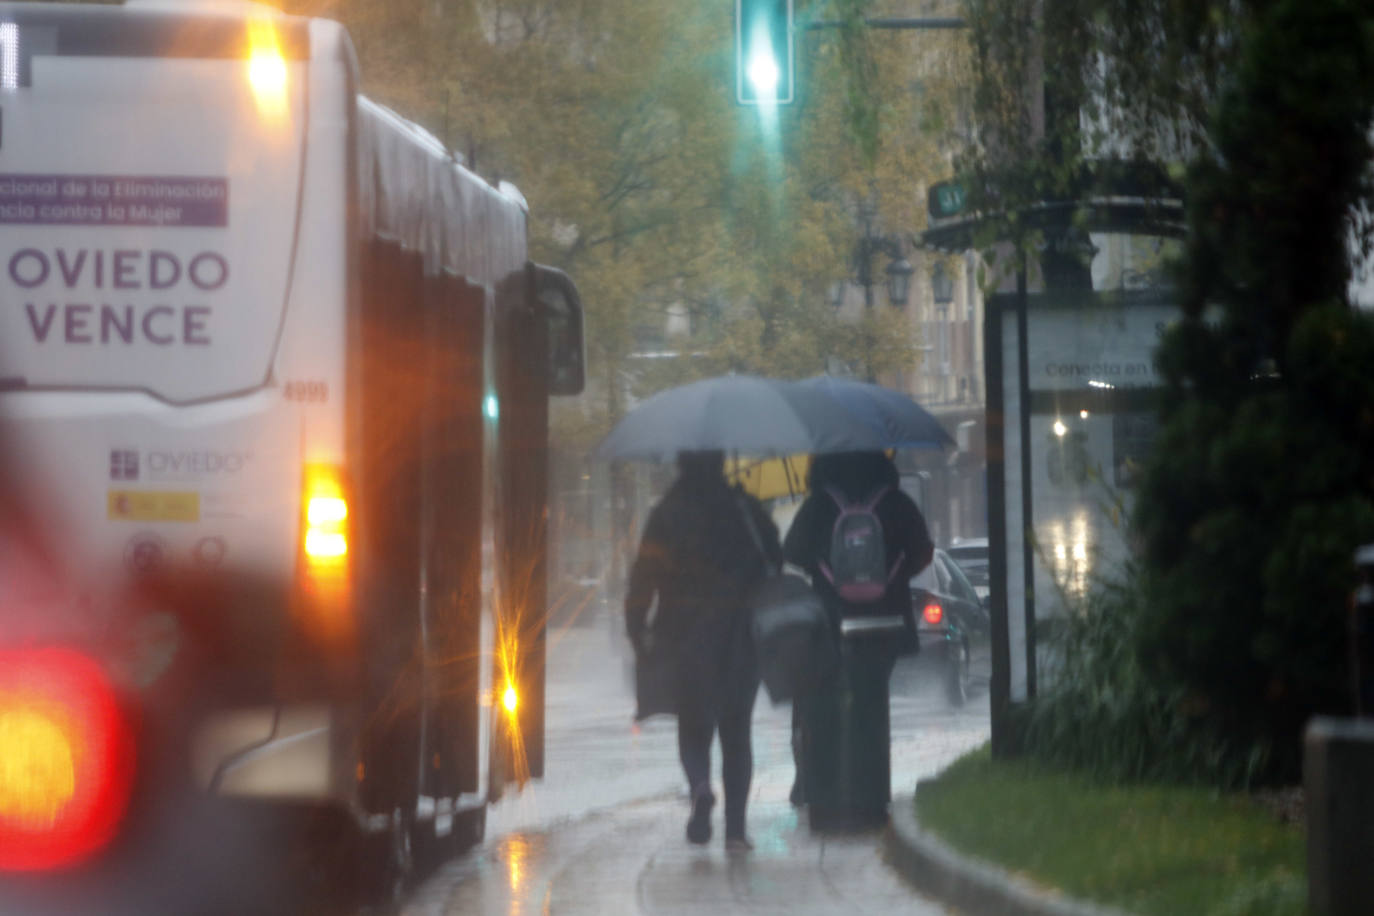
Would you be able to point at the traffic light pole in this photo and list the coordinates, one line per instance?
(765, 70)
(945, 23)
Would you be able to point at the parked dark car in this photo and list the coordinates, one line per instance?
(972, 556)
(952, 621)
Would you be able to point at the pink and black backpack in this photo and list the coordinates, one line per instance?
(857, 567)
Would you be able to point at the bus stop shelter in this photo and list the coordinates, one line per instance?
(1070, 330)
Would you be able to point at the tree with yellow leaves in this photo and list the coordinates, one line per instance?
(693, 226)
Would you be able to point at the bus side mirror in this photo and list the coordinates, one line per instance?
(562, 309)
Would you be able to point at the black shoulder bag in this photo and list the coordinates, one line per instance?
(791, 631)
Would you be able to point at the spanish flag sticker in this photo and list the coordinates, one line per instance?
(153, 506)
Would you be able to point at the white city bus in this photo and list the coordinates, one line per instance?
(274, 379)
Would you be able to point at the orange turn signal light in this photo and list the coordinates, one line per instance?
(326, 516)
(323, 561)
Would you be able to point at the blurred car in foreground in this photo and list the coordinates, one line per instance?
(952, 620)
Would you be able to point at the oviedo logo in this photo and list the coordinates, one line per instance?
(197, 461)
(129, 464)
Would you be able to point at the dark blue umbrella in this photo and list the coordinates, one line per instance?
(898, 420)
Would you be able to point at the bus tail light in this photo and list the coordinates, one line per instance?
(66, 759)
(933, 613)
(324, 547)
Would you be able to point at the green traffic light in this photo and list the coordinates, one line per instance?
(763, 52)
(762, 71)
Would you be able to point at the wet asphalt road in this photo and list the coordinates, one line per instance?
(603, 832)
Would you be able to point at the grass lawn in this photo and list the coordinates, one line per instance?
(1146, 849)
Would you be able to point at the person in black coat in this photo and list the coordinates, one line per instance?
(857, 477)
(699, 557)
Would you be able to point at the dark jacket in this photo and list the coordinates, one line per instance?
(858, 475)
(699, 559)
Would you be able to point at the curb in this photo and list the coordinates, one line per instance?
(969, 884)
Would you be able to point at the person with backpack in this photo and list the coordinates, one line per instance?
(860, 538)
(699, 557)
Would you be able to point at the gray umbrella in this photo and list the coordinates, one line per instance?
(736, 413)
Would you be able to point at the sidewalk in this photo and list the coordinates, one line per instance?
(603, 831)
(597, 758)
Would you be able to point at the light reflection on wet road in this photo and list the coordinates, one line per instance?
(603, 833)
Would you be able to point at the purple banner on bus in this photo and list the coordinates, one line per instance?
(113, 200)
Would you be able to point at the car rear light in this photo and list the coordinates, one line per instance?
(324, 562)
(932, 613)
(66, 759)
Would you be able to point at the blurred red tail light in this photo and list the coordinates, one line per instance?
(66, 759)
(933, 613)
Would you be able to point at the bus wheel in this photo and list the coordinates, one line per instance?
(473, 830)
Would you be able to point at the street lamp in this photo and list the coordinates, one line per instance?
(941, 285)
(899, 269)
(899, 281)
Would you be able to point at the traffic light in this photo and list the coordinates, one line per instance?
(764, 65)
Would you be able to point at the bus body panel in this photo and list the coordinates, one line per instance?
(132, 484)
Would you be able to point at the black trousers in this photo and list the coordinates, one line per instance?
(843, 752)
(700, 716)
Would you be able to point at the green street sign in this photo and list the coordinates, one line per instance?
(946, 199)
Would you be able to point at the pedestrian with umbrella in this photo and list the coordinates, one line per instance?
(699, 559)
(861, 539)
(704, 547)
(852, 495)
